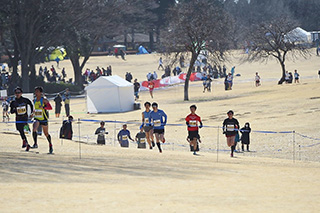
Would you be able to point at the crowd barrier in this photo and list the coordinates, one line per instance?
(175, 143)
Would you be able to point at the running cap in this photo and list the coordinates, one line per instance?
(230, 111)
(154, 104)
(147, 103)
(39, 88)
(18, 89)
(193, 106)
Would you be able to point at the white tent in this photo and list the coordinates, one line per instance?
(299, 35)
(109, 94)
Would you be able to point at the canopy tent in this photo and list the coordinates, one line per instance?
(299, 35)
(109, 94)
(58, 54)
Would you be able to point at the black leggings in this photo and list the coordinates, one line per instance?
(20, 128)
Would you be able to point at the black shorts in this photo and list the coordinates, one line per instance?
(43, 122)
(159, 131)
(193, 134)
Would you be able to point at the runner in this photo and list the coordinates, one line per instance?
(41, 114)
(19, 106)
(296, 76)
(159, 120)
(148, 128)
(5, 108)
(123, 136)
(141, 139)
(230, 128)
(193, 129)
(151, 87)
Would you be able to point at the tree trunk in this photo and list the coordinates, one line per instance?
(76, 68)
(132, 39)
(283, 68)
(186, 83)
(151, 41)
(25, 74)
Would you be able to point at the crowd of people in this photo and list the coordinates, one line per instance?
(91, 76)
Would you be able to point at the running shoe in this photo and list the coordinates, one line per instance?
(24, 143)
(164, 140)
(150, 147)
(35, 146)
(160, 150)
(50, 150)
(28, 148)
(231, 155)
(153, 144)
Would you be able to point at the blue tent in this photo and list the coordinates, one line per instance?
(142, 50)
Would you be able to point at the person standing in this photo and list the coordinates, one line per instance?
(67, 102)
(19, 106)
(192, 121)
(230, 128)
(148, 128)
(160, 64)
(123, 136)
(257, 79)
(136, 85)
(41, 115)
(101, 132)
(296, 77)
(245, 136)
(159, 120)
(57, 100)
(5, 108)
(141, 139)
(66, 131)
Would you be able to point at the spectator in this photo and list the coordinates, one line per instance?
(58, 105)
(155, 76)
(67, 102)
(160, 64)
(64, 74)
(136, 88)
(287, 77)
(296, 77)
(257, 79)
(101, 131)
(66, 129)
(245, 137)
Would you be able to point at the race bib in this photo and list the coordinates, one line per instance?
(21, 110)
(142, 140)
(193, 123)
(38, 113)
(124, 137)
(230, 127)
(146, 120)
(156, 123)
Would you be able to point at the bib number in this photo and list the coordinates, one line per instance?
(142, 140)
(146, 121)
(193, 123)
(124, 137)
(21, 110)
(38, 113)
(230, 127)
(157, 123)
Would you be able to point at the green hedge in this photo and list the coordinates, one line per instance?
(54, 87)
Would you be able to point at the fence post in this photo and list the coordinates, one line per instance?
(218, 144)
(79, 138)
(114, 133)
(294, 146)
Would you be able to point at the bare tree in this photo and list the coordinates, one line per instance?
(276, 39)
(195, 27)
